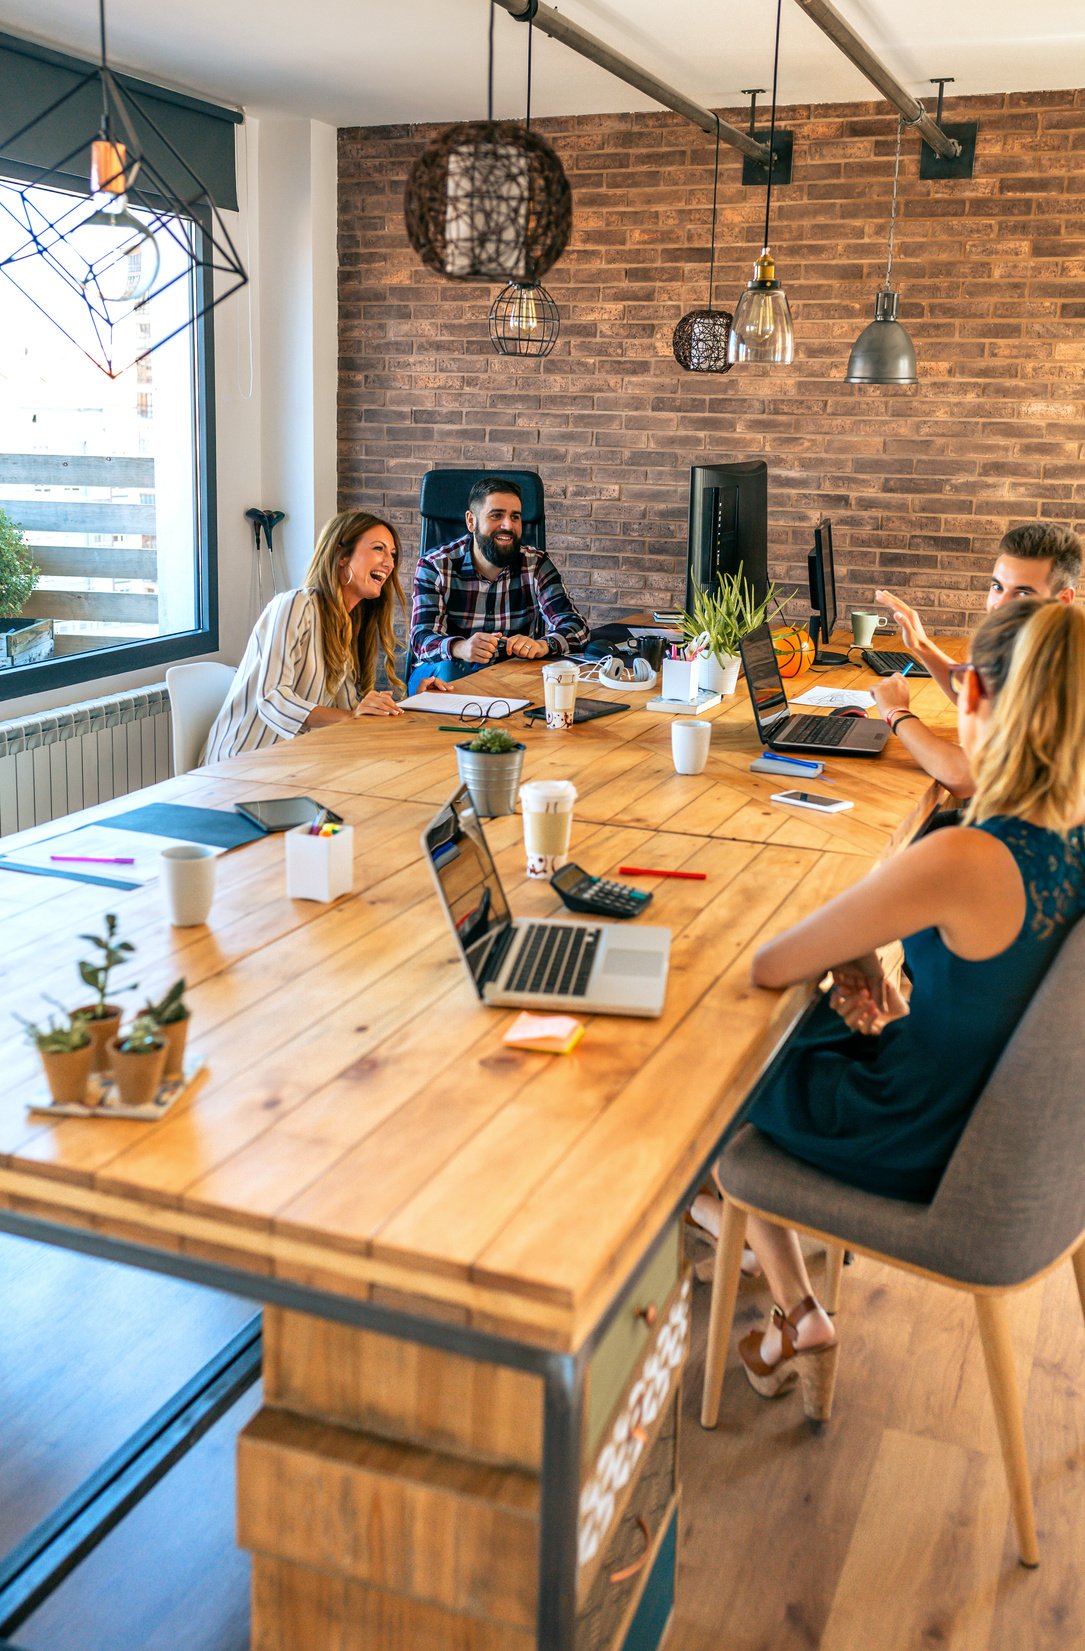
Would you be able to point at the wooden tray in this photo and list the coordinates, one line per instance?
(108, 1105)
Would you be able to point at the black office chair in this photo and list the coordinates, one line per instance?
(443, 500)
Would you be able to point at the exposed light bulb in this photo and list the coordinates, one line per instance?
(523, 312)
(120, 253)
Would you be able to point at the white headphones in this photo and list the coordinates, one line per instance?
(632, 676)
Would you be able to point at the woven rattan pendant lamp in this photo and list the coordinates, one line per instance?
(701, 337)
(883, 353)
(762, 329)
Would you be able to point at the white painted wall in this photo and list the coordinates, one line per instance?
(275, 375)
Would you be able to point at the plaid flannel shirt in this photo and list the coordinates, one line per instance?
(452, 601)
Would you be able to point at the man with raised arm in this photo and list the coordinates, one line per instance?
(1039, 559)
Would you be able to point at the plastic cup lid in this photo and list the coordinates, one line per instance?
(538, 793)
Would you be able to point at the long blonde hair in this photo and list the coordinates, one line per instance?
(350, 640)
(1031, 660)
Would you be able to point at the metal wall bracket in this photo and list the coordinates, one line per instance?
(932, 165)
(782, 146)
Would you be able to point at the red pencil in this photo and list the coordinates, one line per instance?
(648, 871)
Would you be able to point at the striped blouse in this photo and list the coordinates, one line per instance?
(279, 681)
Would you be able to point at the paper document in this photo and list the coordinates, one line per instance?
(99, 851)
(454, 705)
(836, 696)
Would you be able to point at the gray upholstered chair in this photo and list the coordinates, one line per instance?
(1010, 1206)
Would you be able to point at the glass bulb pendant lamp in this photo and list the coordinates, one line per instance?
(762, 330)
(883, 353)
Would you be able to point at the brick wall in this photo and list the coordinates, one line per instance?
(920, 481)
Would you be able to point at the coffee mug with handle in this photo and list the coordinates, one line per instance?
(864, 624)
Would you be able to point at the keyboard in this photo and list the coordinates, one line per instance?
(554, 958)
(884, 661)
(826, 730)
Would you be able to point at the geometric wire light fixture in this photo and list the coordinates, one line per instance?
(133, 241)
(524, 319)
(883, 353)
(701, 336)
(488, 200)
(762, 329)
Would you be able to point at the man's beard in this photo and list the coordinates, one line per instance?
(499, 556)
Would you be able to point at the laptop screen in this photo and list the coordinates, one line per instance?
(763, 679)
(467, 879)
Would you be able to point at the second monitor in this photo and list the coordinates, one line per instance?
(822, 574)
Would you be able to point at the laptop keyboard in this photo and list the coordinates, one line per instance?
(554, 958)
(885, 661)
(825, 730)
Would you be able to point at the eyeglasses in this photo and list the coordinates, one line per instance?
(957, 677)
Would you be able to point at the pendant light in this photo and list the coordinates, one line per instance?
(762, 330)
(524, 319)
(883, 353)
(700, 338)
(95, 263)
(488, 200)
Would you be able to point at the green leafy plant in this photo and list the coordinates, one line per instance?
(495, 741)
(724, 615)
(168, 1009)
(58, 1037)
(141, 1038)
(18, 574)
(96, 974)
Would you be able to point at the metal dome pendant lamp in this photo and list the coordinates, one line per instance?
(488, 200)
(883, 353)
(762, 329)
(524, 319)
(700, 338)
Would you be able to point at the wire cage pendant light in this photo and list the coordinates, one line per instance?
(701, 336)
(884, 353)
(488, 200)
(133, 241)
(762, 329)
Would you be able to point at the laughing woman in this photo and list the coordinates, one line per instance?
(312, 657)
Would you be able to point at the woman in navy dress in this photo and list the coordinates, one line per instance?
(877, 1089)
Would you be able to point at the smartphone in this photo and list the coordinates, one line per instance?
(810, 799)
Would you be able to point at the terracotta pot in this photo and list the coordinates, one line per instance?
(138, 1076)
(175, 1033)
(102, 1032)
(66, 1073)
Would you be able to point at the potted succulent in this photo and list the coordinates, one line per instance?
(490, 766)
(138, 1059)
(66, 1052)
(717, 622)
(22, 641)
(171, 1016)
(103, 1018)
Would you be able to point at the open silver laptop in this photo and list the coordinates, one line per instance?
(780, 731)
(538, 963)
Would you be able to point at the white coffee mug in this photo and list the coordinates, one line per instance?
(187, 874)
(863, 626)
(690, 741)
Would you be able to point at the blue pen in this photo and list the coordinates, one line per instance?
(796, 762)
(907, 668)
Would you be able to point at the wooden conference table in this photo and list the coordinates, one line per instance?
(469, 1256)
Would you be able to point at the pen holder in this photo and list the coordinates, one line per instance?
(680, 680)
(319, 868)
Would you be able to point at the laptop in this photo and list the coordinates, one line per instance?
(780, 731)
(537, 963)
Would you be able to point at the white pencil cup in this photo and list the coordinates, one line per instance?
(319, 868)
(680, 680)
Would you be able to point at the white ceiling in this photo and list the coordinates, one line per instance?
(368, 62)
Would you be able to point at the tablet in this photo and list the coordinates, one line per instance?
(586, 710)
(284, 813)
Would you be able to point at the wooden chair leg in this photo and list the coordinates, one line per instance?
(994, 1326)
(1078, 1259)
(724, 1291)
(834, 1272)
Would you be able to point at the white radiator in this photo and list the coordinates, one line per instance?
(58, 761)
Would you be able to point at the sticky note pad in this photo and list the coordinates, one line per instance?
(549, 1034)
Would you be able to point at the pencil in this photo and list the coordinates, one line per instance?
(655, 871)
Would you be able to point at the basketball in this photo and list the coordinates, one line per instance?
(793, 648)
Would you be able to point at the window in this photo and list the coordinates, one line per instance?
(111, 482)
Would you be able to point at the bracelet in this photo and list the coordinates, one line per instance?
(895, 718)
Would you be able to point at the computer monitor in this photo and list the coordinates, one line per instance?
(728, 525)
(823, 594)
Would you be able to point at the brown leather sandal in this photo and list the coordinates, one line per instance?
(817, 1372)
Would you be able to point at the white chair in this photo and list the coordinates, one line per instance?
(196, 695)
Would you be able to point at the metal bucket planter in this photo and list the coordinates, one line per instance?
(492, 778)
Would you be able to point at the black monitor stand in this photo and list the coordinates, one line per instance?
(820, 657)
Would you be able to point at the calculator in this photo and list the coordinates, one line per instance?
(582, 892)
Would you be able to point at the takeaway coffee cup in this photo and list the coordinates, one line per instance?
(689, 745)
(547, 807)
(560, 677)
(187, 874)
(863, 625)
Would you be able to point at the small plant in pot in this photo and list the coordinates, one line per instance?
(718, 620)
(22, 641)
(66, 1053)
(171, 1015)
(138, 1059)
(490, 766)
(103, 1018)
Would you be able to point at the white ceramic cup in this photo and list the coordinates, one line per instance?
(187, 875)
(547, 807)
(689, 745)
(560, 677)
(863, 625)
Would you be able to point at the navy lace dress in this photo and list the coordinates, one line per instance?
(885, 1113)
